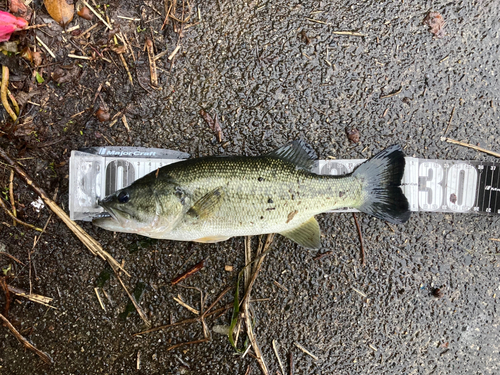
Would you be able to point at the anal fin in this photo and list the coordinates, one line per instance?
(212, 239)
(307, 234)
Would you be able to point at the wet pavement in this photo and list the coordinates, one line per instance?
(274, 72)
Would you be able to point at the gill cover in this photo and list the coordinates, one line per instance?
(144, 208)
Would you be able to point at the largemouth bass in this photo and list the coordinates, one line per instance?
(211, 199)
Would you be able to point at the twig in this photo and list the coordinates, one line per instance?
(96, 290)
(129, 18)
(46, 47)
(18, 261)
(187, 343)
(246, 302)
(188, 273)
(31, 296)
(291, 363)
(285, 289)
(253, 342)
(126, 43)
(79, 57)
(4, 206)
(392, 93)
(184, 304)
(3, 92)
(322, 255)
(318, 21)
(127, 69)
(359, 292)
(36, 26)
(78, 114)
(11, 195)
(174, 52)
(477, 148)
(361, 242)
(14, 102)
(167, 14)
(305, 350)
(139, 309)
(224, 292)
(257, 267)
(125, 123)
(88, 30)
(350, 33)
(70, 29)
(197, 319)
(87, 240)
(449, 121)
(278, 356)
(97, 14)
(248, 260)
(44, 356)
(152, 64)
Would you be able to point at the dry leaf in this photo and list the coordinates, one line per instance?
(436, 24)
(27, 54)
(65, 75)
(102, 114)
(213, 123)
(118, 49)
(85, 13)
(37, 58)
(19, 9)
(60, 11)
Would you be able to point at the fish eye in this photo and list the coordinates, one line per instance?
(123, 197)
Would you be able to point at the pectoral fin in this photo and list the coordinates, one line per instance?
(306, 234)
(207, 205)
(212, 239)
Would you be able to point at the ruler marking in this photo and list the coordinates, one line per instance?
(481, 170)
(484, 188)
(491, 185)
(495, 185)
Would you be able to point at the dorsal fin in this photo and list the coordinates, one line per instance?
(298, 152)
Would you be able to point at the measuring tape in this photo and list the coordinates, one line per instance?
(429, 185)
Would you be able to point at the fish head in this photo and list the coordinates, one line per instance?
(143, 209)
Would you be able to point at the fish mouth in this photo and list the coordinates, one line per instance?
(114, 213)
(111, 219)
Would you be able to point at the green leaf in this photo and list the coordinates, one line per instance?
(234, 317)
(138, 293)
(39, 78)
(7, 269)
(103, 277)
(236, 311)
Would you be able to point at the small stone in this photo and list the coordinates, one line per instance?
(352, 134)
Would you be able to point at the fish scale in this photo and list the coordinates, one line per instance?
(248, 185)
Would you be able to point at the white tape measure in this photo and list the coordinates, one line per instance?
(429, 185)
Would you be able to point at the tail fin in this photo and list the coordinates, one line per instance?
(382, 176)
